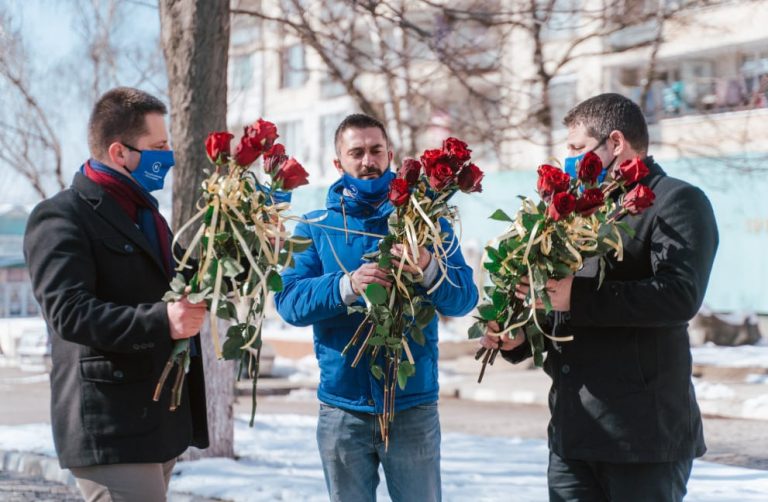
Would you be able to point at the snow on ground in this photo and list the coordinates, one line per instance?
(744, 356)
(278, 460)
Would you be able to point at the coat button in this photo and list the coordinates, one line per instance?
(370, 402)
(136, 346)
(128, 248)
(565, 369)
(118, 374)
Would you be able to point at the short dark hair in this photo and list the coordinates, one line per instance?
(119, 115)
(358, 121)
(609, 112)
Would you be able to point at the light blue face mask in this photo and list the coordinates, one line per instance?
(569, 163)
(153, 167)
(369, 191)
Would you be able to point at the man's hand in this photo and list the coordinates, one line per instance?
(422, 262)
(369, 273)
(491, 341)
(185, 319)
(559, 293)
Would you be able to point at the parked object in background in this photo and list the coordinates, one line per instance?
(724, 329)
(34, 350)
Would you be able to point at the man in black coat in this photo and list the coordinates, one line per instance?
(625, 424)
(99, 258)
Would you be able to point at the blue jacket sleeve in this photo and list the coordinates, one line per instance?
(457, 294)
(309, 295)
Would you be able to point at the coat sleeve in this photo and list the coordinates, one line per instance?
(308, 294)
(683, 241)
(64, 277)
(457, 294)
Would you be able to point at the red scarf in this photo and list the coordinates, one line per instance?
(141, 207)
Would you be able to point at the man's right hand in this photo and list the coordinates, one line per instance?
(185, 319)
(494, 341)
(370, 273)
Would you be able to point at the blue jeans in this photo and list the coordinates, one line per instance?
(351, 449)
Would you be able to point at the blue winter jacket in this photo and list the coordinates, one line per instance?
(311, 296)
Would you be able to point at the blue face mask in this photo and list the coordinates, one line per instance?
(369, 191)
(153, 167)
(569, 164)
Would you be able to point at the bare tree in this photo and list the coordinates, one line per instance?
(195, 39)
(487, 67)
(29, 141)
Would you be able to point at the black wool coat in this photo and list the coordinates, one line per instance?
(99, 285)
(621, 390)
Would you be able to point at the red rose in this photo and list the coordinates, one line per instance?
(638, 199)
(291, 175)
(469, 179)
(429, 158)
(399, 192)
(410, 171)
(442, 175)
(632, 170)
(274, 158)
(562, 205)
(256, 139)
(457, 149)
(590, 168)
(217, 146)
(590, 201)
(552, 180)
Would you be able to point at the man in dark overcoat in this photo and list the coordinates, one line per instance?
(99, 256)
(625, 424)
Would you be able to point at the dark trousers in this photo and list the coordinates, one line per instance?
(582, 481)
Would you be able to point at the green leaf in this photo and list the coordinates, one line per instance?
(500, 215)
(178, 284)
(418, 335)
(208, 216)
(231, 348)
(376, 294)
(274, 282)
(377, 372)
(385, 261)
(226, 310)
(488, 312)
(382, 329)
(425, 315)
(172, 296)
(199, 296)
(376, 341)
(624, 226)
(231, 267)
(493, 254)
(476, 331)
(404, 371)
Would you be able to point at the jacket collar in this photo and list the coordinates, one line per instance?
(108, 209)
(338, 201)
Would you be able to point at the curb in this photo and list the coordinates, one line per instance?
(45, 467)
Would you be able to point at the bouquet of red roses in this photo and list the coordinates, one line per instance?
(241, 244)
(576, 218)
(420, 194)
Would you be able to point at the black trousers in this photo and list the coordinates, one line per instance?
(583, 481)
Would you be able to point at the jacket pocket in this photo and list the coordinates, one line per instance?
(117, 396)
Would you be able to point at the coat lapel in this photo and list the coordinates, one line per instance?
(108, 209)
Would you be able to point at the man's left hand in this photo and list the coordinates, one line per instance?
(559, 293)
(422, 262)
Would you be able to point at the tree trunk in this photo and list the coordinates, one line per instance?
(195, 38)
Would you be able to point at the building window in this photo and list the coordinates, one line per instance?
(242, 72)
(291, 137)
(331, 88)
(328, 125)
(293, 70)
(562, 97)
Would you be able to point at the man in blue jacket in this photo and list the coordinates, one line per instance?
(317, 292)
